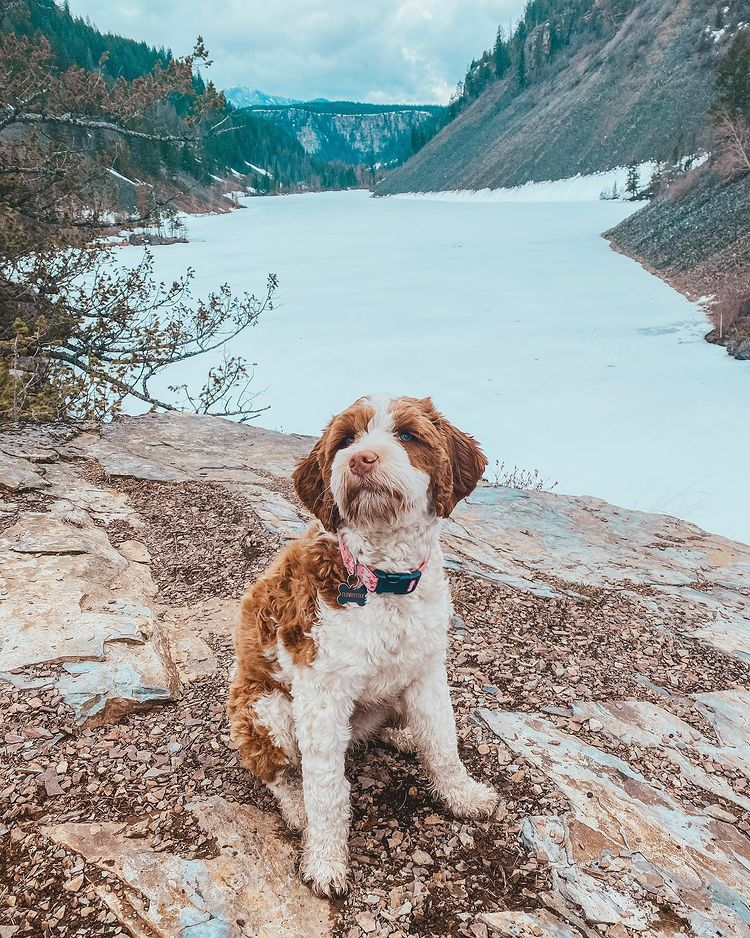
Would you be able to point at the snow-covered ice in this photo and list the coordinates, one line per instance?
(558, 353)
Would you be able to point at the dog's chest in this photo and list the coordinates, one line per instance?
(381, 647)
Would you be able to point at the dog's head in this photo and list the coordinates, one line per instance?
(383, 458)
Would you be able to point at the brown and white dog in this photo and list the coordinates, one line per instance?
(346, 634)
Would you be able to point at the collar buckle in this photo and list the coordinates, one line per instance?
(398, 584)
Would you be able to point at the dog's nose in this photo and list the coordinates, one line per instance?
(363, 462)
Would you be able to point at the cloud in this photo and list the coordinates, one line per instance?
(381, 50)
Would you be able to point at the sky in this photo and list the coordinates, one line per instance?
(405, 51)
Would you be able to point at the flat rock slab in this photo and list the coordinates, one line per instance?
(70, 598)
(628, 848)
(18, 474)
(250, 889)
(174, 447)
(541, 924)
(551, 544)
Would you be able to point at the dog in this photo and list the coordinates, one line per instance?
(345, 635)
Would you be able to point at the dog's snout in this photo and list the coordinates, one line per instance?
(363, 462)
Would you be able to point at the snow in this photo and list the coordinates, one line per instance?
(117, 175)
(575, 189)
(216, 178)
(259, 169)
(557, 352)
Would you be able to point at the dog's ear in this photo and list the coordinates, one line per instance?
(463, 468)
(311, 483)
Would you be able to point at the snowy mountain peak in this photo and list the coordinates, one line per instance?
(242, 96)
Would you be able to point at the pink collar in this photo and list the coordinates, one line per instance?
(377, 581)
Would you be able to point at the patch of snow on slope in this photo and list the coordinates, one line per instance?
(117, 175)
(574, 189)
(259, 169)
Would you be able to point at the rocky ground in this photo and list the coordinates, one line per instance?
(600, 666)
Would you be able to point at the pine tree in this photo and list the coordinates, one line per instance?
(500, 54)
(633, 184)
(733, 78)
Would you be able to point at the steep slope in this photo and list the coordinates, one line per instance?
(351, 132)
(697, 237)
(586, 85)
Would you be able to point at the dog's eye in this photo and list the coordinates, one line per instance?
(406, 437)
(346, 441)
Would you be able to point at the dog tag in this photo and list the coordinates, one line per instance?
(351, 594)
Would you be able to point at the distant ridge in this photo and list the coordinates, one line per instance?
(353, 132)
(242, 96)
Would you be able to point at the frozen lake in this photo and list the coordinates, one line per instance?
(524, 326)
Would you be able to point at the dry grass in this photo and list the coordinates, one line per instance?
(516, 478)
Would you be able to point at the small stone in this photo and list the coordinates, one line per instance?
(366, 921)
(134, 551)
(421, 858)
(617, 931)
(52, 784)
(595, 725)
(716, 811)
(73, 885)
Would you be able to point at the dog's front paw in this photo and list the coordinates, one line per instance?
(325, 875)
(471, 799)
(293, 813)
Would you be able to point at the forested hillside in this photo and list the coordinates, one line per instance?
(580, 86)
(271, 159)
(80, 332)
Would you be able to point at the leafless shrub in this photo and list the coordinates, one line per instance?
(515, 478)
(727, 308)
(682, 184)
(733, 145)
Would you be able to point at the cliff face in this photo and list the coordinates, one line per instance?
(370, 135)
(600, 671)
(620, 91)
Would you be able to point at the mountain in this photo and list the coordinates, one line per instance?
(352, 132)
(241, 96)
(580, 86)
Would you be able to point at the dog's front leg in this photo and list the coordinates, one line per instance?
(322, 722)
(429, 717)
